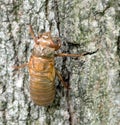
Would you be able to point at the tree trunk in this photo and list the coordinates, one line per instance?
(82, 25)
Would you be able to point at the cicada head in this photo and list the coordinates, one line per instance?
(45, 40)
(44, 44)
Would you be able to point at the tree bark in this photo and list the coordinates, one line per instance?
(82, 25)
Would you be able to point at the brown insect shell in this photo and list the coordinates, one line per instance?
(42, 71)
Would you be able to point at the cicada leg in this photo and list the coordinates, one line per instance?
(19, 67)
(69, 55)
(75, 55)
(61, 79)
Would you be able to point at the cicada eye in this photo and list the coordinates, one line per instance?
(45, 37)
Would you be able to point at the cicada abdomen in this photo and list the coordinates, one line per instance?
(42, 80)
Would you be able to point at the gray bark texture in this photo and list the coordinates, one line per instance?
(82, 25)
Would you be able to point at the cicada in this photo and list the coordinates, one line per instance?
(42, 69)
